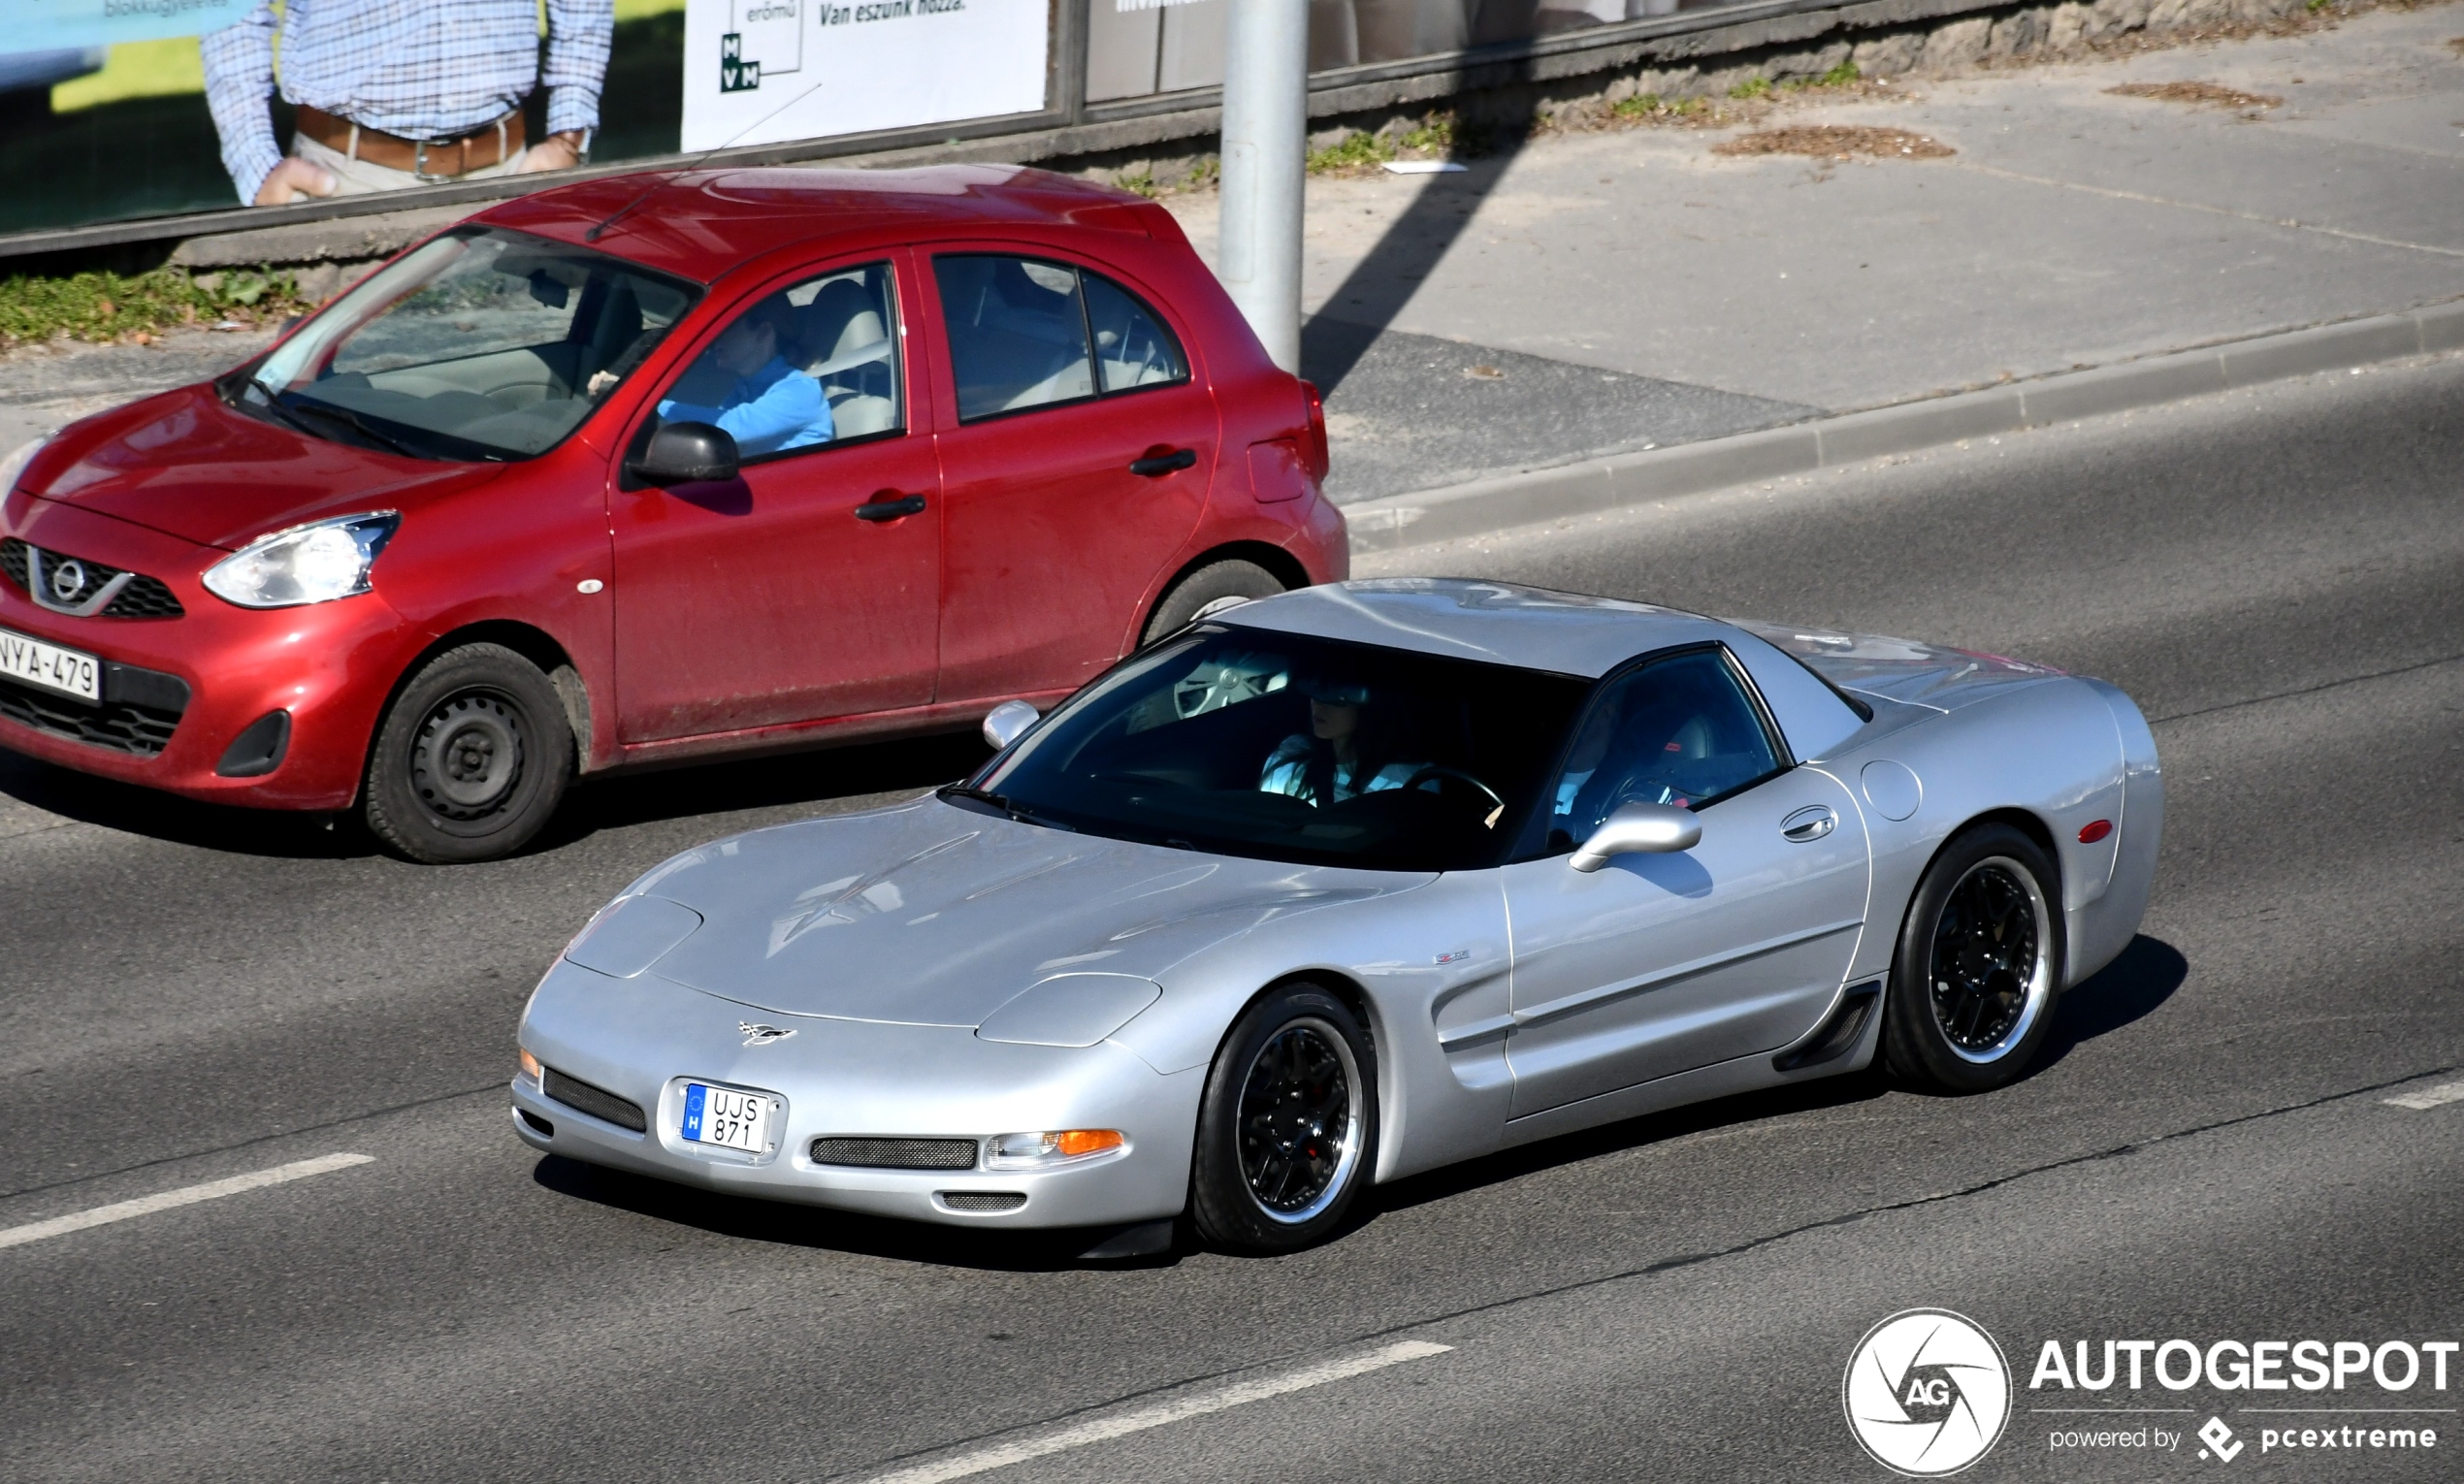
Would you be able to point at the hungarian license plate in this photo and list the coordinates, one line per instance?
(726, 1117)
(69, 671)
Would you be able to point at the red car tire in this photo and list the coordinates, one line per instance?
(472, 759)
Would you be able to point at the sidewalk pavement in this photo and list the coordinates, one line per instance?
(1636, 289)
(1592, 294)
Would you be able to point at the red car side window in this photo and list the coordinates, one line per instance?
(808, 367)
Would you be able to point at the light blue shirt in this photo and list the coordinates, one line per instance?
(775, 409)
(1287, 772)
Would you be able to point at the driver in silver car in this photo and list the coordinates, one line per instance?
(1344, 754)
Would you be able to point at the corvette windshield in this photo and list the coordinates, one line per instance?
(1244, 742)
(480, 345)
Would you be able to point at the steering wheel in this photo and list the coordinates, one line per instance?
(1440, 770)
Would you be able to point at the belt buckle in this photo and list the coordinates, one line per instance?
(419, 164)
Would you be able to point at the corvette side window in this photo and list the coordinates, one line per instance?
(810, 365)
(1680, 732)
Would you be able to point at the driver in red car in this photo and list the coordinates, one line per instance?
(762, 402)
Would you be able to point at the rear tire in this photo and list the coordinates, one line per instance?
(1205, 592)
(1979, 965)
(1288, 1131)
(472, 759)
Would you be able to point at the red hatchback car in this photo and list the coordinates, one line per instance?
(655, 467)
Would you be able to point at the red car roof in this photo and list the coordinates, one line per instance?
(700, 223)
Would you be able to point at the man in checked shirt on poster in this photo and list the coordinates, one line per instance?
(394, 93)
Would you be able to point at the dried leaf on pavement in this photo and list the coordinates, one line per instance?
(2209, 95)
(1837, 142)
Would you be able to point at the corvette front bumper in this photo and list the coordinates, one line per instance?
(644, 1039)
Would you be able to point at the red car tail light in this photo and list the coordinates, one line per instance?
(1313, 451)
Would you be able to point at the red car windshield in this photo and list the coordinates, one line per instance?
(482, 344)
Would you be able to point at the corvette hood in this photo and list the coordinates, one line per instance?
(927, 913)
(185, 465)
(1920, 675)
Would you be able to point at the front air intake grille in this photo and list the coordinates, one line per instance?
(598, 1101)
(145, 597)
(982, 1199)
(897, 1154)
(120, 725)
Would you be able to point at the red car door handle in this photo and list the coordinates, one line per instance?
(888, 505)
(1155, 466)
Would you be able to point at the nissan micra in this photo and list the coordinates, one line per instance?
(657, 467)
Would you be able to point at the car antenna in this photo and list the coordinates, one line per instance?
(627, 209)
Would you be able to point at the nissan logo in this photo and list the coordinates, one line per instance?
(68, 579)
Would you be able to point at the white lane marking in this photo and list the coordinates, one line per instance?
(2431, 1097)
(186, 1195)
(1126, 1420)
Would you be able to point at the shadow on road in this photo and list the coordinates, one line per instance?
(811, 1226)
(857, 772)
(1380, 284)
(906, 765)
(2127, 989)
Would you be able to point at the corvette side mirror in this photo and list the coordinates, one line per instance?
(1657, 828)
(1005, 720)
(688, 453)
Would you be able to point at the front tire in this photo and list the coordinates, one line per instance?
(470, 760)
(1979, 964)
(1287, 1132)
(1207, 592)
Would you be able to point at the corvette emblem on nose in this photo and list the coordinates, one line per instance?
(761, 1035)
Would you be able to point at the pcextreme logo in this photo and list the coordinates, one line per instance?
(1927, 1392)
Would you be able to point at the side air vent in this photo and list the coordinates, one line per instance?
(897, 1153)
(982, 1200)
(1838, 1035)
(598, 1101)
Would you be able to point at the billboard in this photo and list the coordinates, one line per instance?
(764, 72)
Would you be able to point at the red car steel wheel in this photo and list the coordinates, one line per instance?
(472, 759)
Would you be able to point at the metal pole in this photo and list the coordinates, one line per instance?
(1265, 156)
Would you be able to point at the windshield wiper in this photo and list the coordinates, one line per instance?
(348, 419)
(1002, 802)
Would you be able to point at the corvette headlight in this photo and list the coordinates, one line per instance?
(18, 458)
(309, 563)
(1042, 1151)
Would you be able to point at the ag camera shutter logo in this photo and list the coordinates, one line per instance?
(1927, 1392)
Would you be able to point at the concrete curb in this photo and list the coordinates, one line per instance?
(1486, 507)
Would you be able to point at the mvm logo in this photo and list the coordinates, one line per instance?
(735, 74)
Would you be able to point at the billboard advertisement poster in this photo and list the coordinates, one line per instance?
(46, 26)
(764, 72)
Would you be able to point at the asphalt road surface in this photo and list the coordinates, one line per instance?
(2207, 1152)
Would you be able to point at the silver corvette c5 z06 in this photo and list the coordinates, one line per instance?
(1347, 884)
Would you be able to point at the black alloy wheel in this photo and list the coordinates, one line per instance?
(470, 760)
(1296, 1115)
(1979, 964)
(1287, 1129)
(1984, 957)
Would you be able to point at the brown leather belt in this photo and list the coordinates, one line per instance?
(491, 144)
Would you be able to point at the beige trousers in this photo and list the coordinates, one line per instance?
(358, 177)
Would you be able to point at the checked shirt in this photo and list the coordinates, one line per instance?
(421, 69)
